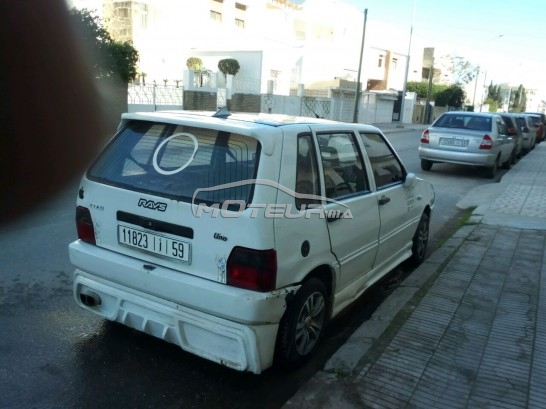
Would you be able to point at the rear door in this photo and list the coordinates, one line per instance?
(351, 207)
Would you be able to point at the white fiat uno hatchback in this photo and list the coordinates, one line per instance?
(238, 236)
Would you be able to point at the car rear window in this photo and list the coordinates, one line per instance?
(176, 161)
(462, 121)
(536, 119)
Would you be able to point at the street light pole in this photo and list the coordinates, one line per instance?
(475, 88)
(405, 87)
(357, 96)
(429, 91)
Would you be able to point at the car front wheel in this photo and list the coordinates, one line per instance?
(420, 241)
(302, 324)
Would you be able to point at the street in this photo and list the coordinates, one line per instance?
(55, 355)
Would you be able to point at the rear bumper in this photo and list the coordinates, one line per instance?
(234, 327)
(238, 346)
(462, 158)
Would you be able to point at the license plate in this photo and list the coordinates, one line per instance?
(453, 142)
(154, 243)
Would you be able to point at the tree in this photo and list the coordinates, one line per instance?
(452, 96)
(229, 66)
(109, 58)
(463, 71)
(195, 64)
(518, 100)
(497, 96)
(421, 88)
(494, 94)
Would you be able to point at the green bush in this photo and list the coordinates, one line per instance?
(229, 66)
(109, 58)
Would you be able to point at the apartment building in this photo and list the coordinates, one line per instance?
(279, 42)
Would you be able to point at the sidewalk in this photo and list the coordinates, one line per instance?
(467, 329)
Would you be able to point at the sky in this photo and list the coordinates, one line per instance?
(506, 38)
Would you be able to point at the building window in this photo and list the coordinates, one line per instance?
(216, 10)
(394, 63)
(216, 16)
(240, 14)
(380, 61)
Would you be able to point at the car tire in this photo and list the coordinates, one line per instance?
(508, 164)
(426, 164)
(302, 325)
(491, 171)
(420, 241)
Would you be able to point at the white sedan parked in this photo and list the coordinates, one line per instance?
(468, 138)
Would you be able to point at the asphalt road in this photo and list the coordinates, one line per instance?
(55, 355)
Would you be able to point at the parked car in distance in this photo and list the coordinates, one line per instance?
(538, 119)
(468, 138)
(238, 236)
(513, 131)
(526, 125)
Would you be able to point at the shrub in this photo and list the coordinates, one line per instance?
(229, 66)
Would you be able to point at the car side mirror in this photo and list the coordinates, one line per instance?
(410, 179)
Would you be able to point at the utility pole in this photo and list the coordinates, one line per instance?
(357, 96)
(475, 88)
(405, 87)
(429, 92)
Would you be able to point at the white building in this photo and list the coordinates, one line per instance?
(287, 42)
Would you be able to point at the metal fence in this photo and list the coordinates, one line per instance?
(337, 106)
(313, 107)
(246, 85)
(154, 94)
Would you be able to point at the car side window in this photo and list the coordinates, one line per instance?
(342, 164)
(385, 165)
(501, 127)
(307, 180)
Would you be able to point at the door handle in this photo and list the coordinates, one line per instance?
(384, 200)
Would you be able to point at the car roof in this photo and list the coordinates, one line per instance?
(273, 120)
(254, 124)
(472, 113)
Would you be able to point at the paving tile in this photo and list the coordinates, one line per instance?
(476, 339)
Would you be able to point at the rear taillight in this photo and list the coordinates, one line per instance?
(84, 225)
(424, 137)
(252, 269)
(487, 142)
